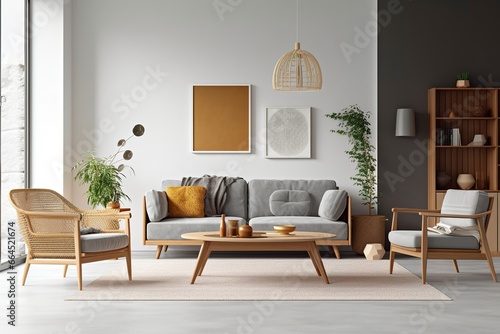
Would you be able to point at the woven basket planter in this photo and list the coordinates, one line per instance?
(367, 230)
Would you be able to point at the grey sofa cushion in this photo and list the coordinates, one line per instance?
(101, 242)
(333, 204)
(312, 224)
(259, 192)
(173, 228)
(412, 239)
(156, 205)
(289, 203)
(237, 199)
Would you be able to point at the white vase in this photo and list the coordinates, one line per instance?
(465, 181)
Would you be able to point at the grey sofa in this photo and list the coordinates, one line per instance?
(254, 202)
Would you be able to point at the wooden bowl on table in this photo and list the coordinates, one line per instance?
(284, 229)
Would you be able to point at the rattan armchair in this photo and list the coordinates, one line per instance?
(51, 227)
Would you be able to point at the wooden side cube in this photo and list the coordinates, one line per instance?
(374, 251)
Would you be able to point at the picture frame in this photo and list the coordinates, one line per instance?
(221, 118)
(288, 132)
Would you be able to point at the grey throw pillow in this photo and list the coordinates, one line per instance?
(332, 204)
(156, 205)
(89, 230)
(289, 203)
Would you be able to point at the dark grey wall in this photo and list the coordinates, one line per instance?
(423, 46)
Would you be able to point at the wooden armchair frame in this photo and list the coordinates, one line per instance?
(425, 253)
(50, 225)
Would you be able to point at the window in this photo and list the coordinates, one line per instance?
(14, 115)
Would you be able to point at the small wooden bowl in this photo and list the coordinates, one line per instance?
(284, 229)
(478, 111)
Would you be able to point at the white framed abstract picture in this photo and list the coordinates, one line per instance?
(288, 132)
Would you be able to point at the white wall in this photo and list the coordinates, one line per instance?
(117, 43)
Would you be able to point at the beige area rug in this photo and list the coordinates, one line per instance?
(258, 279)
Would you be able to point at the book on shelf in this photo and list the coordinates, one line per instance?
(448, 137)
(455, 137)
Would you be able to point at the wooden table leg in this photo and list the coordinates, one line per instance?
(316, 259)
(314, 263)
(202, 259)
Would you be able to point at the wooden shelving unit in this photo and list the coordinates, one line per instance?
(461, 108)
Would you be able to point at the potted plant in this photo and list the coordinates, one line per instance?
(355, 124)
(463, 80)
(104, 175)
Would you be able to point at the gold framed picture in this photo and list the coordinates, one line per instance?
(221, 119)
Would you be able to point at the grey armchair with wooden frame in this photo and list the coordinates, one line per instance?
(459, 235)
(56, 231)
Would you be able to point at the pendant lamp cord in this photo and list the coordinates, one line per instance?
(297, 19)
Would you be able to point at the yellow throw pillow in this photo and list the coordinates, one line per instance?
(186, 201)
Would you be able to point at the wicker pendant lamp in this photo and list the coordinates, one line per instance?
(297, 70)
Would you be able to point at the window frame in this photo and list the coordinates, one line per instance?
(4, 265)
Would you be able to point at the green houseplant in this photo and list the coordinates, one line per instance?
(463, 80)
(104, 176)
(355, 124)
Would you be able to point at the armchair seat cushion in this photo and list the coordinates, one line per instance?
(412, 239)
(101, 242)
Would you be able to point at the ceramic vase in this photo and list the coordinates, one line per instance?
(245, 231)
(442, 179)
(222, 228)
(465, 181)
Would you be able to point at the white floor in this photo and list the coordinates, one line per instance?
(41, 307)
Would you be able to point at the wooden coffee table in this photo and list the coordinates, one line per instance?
(260, 241)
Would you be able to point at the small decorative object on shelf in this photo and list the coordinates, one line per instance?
(443, 179)
(465, 181)
(479, 140)
(452, 114)
(222, 229)
(478, 111)
(463, 80)
(481, 182)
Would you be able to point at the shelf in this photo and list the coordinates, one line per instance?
(485, 190)
(466, 118)
(465, 88)
(465, 146)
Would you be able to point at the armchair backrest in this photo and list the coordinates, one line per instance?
(40, 200)
(464, 202)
